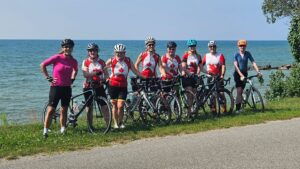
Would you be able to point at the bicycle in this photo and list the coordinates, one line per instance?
(251, 96)
(100, 123)
(214, 95)
(147, 103)
(55, 115)
(186, 100)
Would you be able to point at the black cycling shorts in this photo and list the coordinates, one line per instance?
(60, 93)
(99, 92)
(117, 93)
(237, 79)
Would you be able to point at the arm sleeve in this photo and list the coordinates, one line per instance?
(50, 60)
(178, 59)
(222, 59)
(204, 60)
(76, 65)
(250, 57)
(184, 57)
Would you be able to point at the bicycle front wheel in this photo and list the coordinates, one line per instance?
(102, 116)
(131, 114)
(223, 101)
(189, 109)
(256, 101)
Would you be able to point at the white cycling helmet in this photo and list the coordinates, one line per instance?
(149, 39)
(212, 43)
(120, 48)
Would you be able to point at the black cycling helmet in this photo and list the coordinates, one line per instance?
(66, 42)
(171, 44)
(92, 46)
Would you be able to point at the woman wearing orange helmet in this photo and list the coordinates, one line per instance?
(241, 70)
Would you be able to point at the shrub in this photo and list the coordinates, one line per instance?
(293, 82)
(277, 86)
(284, 86)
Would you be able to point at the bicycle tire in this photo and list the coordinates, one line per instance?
(188, 103)
(256, 101)
(163, 111)
(223, 102)
(143, 112)
(101, 121)
(175, 108)
(130, 116)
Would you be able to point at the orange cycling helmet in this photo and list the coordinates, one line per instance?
(242, 42)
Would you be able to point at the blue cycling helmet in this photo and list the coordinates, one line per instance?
(191, 42)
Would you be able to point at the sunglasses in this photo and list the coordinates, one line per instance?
(93, 50)
(67, 46)
(150, 45)
(242, 45)
(212, 46)
(192, 46)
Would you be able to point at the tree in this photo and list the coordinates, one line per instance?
(276, 9)
(294, 37)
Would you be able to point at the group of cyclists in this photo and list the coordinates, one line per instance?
(147, 66)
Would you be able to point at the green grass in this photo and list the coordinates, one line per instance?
(23, 140)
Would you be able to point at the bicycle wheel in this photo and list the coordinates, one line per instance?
(163, 110)
(131, 115)
(222, 102)
(256, 101)
(175, 108)
(55, 115)
(189, 111)
(143, 111)
(102, 116)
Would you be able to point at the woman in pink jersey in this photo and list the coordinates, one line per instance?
(65, 69)
(94, 73)
(120, 66)
(215, 65)
(171, 65)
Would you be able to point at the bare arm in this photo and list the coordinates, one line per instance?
(223, 68)
(255, 67)
(44, 70)
(138, 61)
(135, 71)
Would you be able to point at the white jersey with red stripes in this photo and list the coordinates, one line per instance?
(149, 63)
(119, 69)
(93, 66)
(172, 64)
(213, 62)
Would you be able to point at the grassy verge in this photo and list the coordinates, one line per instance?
(25, 140)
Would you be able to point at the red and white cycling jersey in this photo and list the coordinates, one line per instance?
(93, 66)
(192, 62)
(119, 70)
(149, 63)
(213, 63)
(172, 64)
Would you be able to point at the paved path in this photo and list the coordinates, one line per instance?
(274, 145)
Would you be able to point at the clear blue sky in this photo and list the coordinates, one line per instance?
(136, 19)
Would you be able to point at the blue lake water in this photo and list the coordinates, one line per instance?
(23, 89)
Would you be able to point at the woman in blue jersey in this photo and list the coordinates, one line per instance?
(241, 70)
